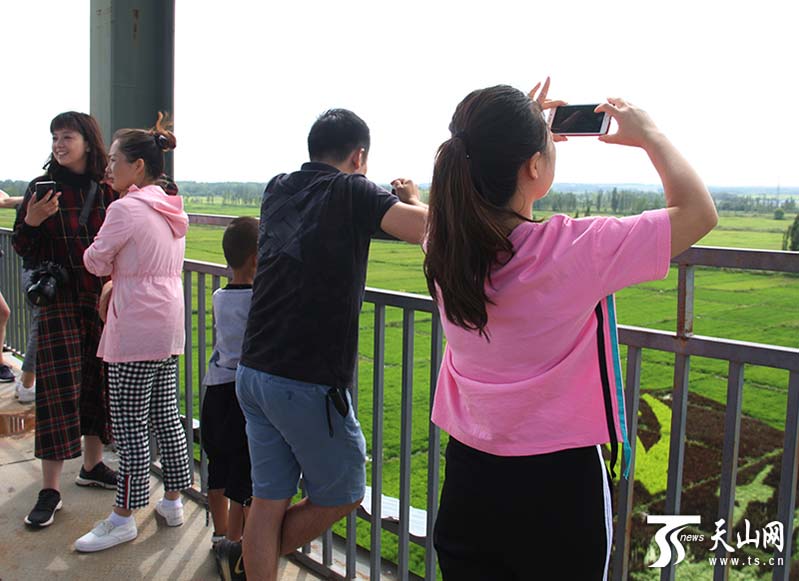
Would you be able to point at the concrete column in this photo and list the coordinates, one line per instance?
(132, 64)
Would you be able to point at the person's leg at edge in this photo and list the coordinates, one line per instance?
(92, 455)
(262, 538)
(92, 451)
(236, 519)
(5, 314)
(305, 521)
(28, 378)
(238, 483)
(218, 504)
(214, 437)
(51, 474)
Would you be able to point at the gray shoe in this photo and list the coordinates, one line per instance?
(101, 476)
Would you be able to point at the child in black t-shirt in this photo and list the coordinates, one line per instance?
(222, 423)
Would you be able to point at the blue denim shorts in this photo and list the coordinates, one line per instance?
(289, 434)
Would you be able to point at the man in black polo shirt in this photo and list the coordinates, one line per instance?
(300, 346)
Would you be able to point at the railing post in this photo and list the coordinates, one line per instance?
(351, 547)
(787, 494)
(685, 300)
(202, 357)
(621, 555)
(679, 400)
(188, 392)
(433, 450)
(375, 550)
(403, 565)
(729, 460)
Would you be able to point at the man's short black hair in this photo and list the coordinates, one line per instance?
(336, 134)
(240, 241)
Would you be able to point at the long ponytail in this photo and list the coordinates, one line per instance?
(494, 131)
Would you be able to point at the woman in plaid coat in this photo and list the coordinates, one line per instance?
(71, 398)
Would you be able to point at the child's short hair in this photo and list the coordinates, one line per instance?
(240, 241)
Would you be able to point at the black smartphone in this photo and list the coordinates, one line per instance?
(42, 188)
(578, 120)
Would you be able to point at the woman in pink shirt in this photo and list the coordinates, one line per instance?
(141, 245)
(529, 389)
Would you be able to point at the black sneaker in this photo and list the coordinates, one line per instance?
(101, 476)
(43, 513)
(6, 375)
(229, 561)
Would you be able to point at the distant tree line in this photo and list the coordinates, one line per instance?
(613, 201)
(13, 187)
(618, 201)
(231, 193)
(237, 193)
(753, 203)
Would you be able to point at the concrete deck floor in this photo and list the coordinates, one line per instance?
(159, 552)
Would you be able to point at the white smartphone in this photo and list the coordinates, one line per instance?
(578, 120)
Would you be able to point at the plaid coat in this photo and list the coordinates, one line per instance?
(60, 238)
(71, 393)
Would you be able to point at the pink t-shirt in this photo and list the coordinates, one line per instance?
(535, 387)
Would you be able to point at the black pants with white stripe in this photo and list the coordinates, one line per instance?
(142, 395)
(524, 518)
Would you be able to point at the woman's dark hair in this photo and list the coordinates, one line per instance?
(240, 240)
(335, 134)
(148, 145)
(494, 131)
(86, 125)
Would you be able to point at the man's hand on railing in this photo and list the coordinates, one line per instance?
(406, 191)
(406, 220)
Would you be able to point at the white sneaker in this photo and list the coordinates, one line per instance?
(105, 535)
(173, 516)
(25, 394)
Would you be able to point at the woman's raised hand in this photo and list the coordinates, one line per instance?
(635, 127)
(541, 98)
(38, 210)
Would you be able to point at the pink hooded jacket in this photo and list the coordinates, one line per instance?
(141, 245)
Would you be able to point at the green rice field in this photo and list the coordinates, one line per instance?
(761, 307)
(746, 306)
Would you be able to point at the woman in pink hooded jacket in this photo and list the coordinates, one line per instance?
(141, 245)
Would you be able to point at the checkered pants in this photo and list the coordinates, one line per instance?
(142, 394)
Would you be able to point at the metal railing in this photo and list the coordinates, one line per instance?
(684, 345)
(202, 278)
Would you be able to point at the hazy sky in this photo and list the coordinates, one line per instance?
(718, 77)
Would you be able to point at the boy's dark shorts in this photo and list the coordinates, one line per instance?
(224, 440)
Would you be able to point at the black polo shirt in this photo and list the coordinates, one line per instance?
(313, 246)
